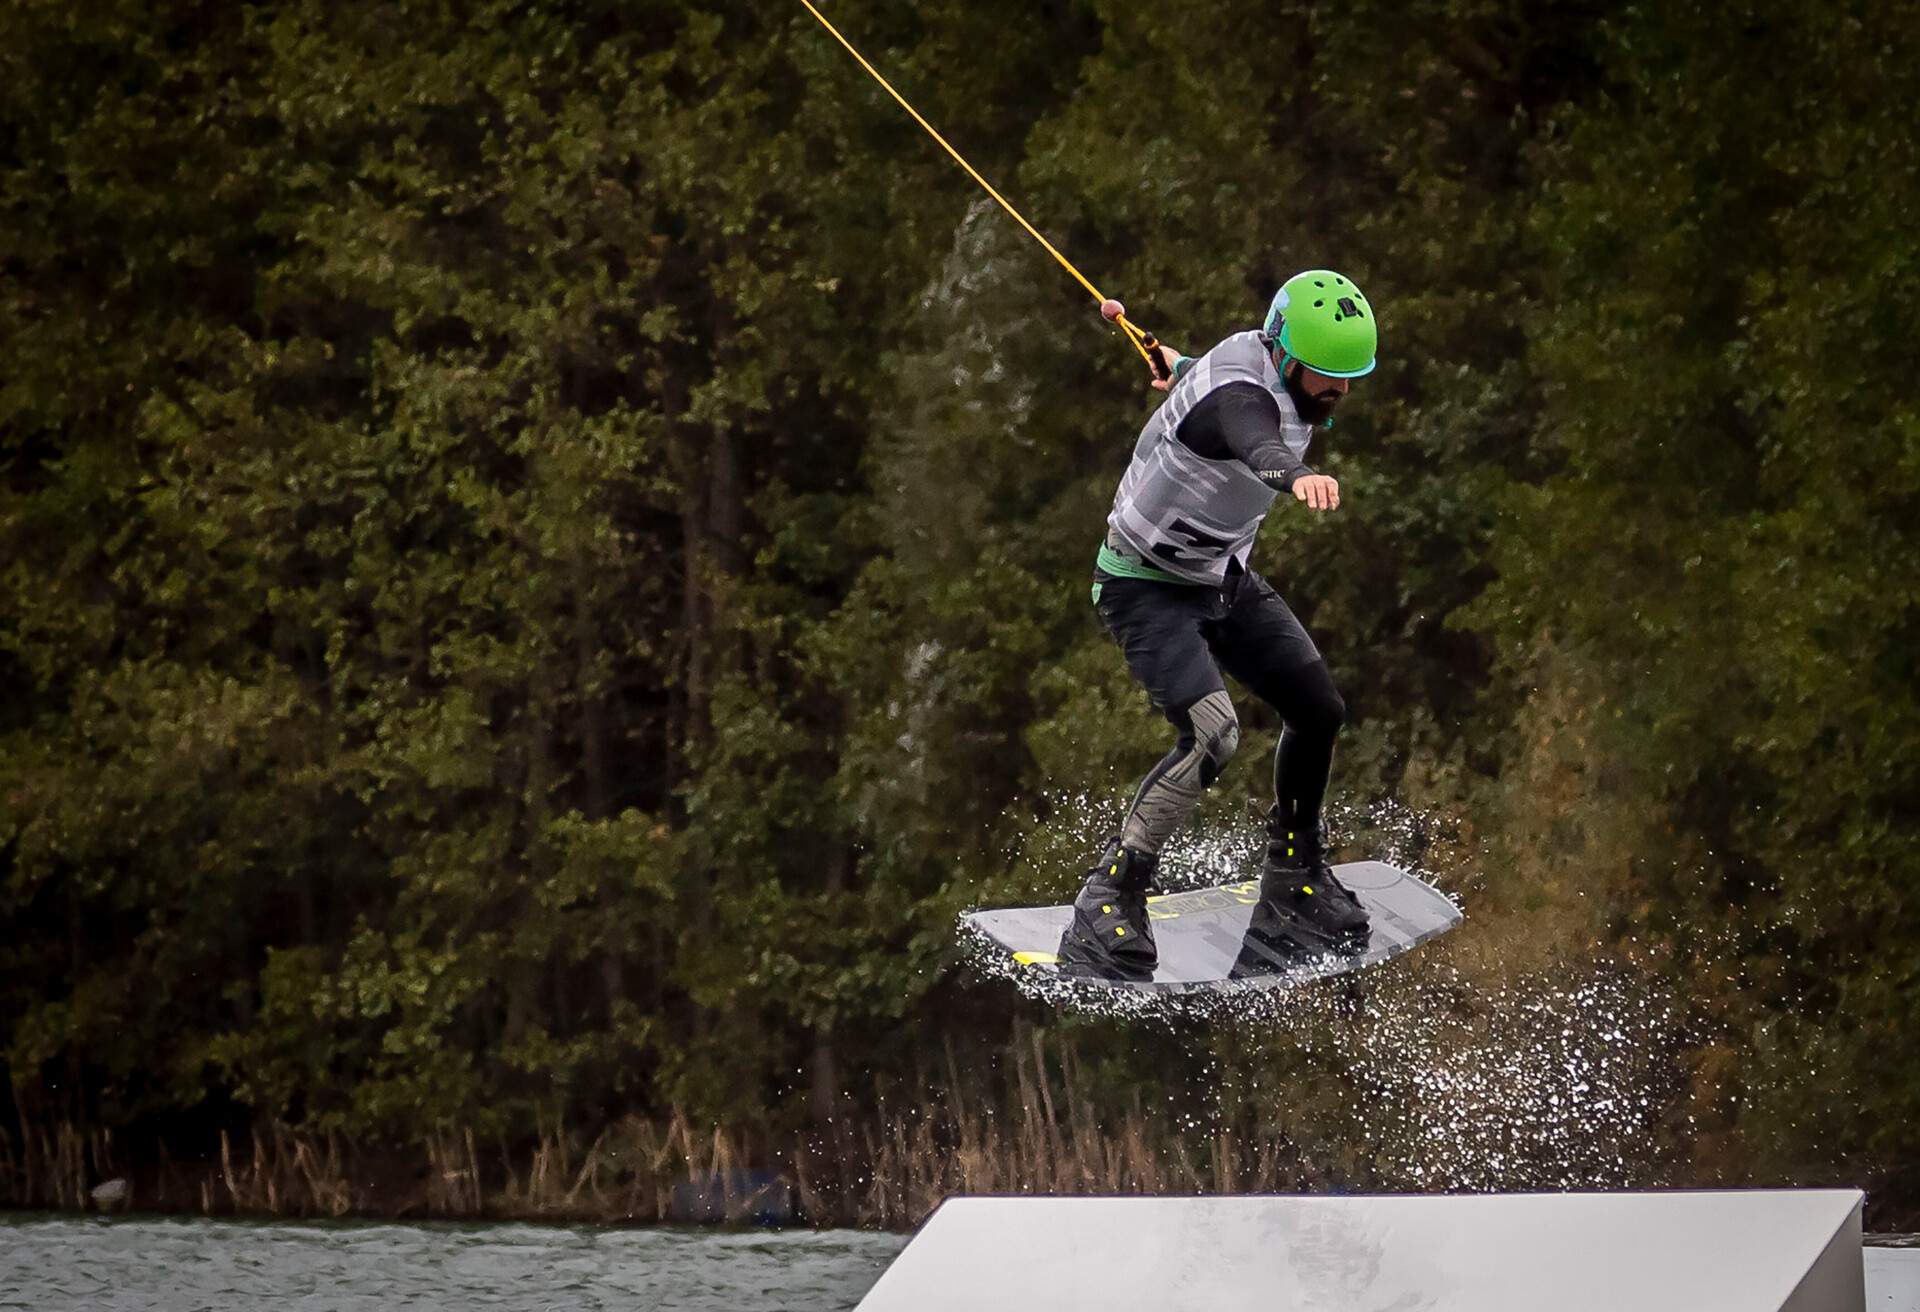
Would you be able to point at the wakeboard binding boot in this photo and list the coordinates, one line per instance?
(1111, 935)
(1303, 905)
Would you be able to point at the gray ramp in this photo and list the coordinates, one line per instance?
(1203, 940)
(1893, 1279)
(1718, 1251)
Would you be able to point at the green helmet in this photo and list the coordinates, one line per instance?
(1323, 321)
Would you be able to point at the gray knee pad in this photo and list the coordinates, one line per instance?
(1172, 787)
(1216, 733)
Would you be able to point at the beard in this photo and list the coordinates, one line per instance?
(1313, 409)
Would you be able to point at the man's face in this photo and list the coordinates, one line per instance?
(1319, 385)
(1314, 394)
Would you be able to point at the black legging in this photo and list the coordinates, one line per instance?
(1313, 710)
(1178, 639)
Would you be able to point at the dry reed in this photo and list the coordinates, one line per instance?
(1039, 1133)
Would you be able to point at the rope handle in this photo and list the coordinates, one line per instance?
(1143, 341)
(1155, 361)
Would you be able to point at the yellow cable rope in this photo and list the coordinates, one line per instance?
(1141, 339)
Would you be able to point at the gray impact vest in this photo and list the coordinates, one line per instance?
(1181, 512)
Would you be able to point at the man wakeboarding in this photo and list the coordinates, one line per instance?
(1172, 584)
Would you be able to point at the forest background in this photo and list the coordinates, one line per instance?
(545, 554)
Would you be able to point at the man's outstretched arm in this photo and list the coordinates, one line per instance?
(1242, 420)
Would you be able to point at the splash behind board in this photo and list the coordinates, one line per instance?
(1203, 940)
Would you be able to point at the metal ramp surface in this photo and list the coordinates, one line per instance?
(1708, 1251)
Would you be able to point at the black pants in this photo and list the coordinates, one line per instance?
(1178, 639)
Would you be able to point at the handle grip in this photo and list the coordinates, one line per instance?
(1155, 361)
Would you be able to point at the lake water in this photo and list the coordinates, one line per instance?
(65, 1264)
(52, 1264)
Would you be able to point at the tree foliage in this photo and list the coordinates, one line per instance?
(545, 547)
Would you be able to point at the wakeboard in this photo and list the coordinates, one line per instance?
(1204, 939)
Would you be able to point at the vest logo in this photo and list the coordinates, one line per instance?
(1170, 549)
